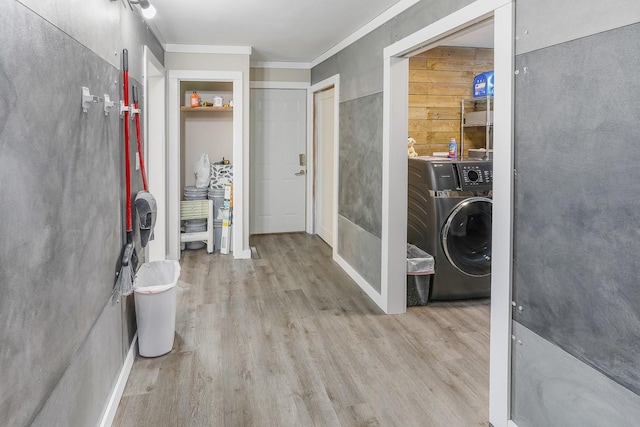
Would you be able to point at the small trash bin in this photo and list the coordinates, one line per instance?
(420, 267)
(154, 287)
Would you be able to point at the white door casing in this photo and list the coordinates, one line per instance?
(333, 81)
(278, 160)
(155, 149)
(324, 147)
(392, 299)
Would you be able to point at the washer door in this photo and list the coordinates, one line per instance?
(466, 236)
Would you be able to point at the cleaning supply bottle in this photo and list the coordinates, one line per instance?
(195, 99)
(453, 149)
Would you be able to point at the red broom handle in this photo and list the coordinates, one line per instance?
(139, 139)
(127, 163)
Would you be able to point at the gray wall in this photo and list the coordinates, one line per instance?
(63, 337)
(576, 215)
(576, 218)
(360, 177)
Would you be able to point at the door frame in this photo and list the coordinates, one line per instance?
(394, 185)
(240, 236)
(333, 81)
(154, 125)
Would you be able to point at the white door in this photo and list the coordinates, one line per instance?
(324, 168)
(278, 160)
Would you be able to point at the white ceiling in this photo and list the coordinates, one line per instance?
(284, 30)
(277, 30)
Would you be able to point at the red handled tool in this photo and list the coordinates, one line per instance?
(129, 256)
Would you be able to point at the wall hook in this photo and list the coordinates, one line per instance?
(108, 103)
(123, 108)
(88, 99)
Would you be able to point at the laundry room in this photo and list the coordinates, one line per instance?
(450, 124)
(450, 188)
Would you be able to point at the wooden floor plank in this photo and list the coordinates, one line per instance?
(288, 339)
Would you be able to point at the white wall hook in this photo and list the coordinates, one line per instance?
(123, 108)
(88, 99)
(108, 103)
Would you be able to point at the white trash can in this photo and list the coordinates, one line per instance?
(154, 287)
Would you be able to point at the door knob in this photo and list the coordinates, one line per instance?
(302, 172)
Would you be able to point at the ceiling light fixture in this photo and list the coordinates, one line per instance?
(148, 11)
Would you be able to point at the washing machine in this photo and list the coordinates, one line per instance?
(449, 216)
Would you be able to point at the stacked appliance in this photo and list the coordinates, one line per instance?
(449, 216)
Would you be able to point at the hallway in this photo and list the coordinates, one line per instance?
(288, 339)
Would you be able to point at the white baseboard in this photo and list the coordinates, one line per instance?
(118, 389)
(511, 424)
(361, 281)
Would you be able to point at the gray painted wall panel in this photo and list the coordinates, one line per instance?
(360, 67)
(421, 15)
(360, 163)
(361, 64)
(325, 70)
(576, 214)
(104, 344)
(62, 214)
(361, 250)
(94, 23)
(553, 389)
(105, 27)
(542, 23)
(61, 222)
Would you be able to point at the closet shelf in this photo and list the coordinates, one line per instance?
(199, 109)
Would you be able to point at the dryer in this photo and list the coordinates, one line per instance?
(449, 216)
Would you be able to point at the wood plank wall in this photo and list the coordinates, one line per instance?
(438, 80)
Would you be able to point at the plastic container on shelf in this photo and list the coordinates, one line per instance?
(195, 99)
(453, 149)
(483, 85)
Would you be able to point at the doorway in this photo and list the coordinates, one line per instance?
(394, 190)
(324, 164)
(324, 116)
(240, 239)
(279, 160)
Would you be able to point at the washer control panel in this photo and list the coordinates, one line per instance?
(475, 175)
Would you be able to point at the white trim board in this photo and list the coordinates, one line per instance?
(311, 161)
(503, 202)
(205, 48)
(278, 85)
(118, 389)
(154, 100)
(361, 281)
(385, 16)
(394, 187)
(284, 65)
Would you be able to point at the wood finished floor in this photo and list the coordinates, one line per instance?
(290, 340)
